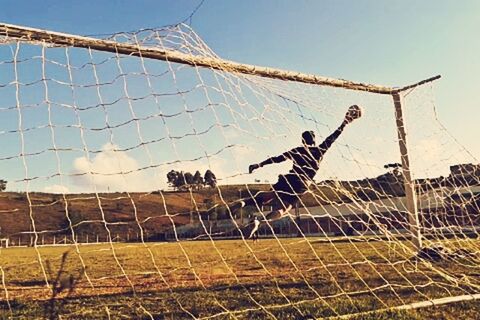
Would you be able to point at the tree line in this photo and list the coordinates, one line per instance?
(180, 180)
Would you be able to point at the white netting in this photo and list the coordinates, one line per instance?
(87, 139)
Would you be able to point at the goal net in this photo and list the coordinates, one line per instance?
(123, 158)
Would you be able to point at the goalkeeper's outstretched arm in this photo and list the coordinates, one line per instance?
(354, 112)
(271, 160)
(327, 143)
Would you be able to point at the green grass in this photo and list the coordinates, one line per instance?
(284, 279)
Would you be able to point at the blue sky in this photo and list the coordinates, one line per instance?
(391, 43)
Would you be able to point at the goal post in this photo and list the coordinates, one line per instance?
(62, 39)
(409, 185)
(143, 141)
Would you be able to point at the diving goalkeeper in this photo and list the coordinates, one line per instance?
(286, 192)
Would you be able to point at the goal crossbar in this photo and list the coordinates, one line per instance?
(64, 39)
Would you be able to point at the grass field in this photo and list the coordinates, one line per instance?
(283, 279)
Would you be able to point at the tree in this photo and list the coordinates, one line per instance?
(176, 179)
(392, 181)
(172, 178)
(180, 180)
(210, 179)
(395, 168)
(198, 180)
(188, 179)
(3, 185)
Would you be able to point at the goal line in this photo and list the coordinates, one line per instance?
(416, 305)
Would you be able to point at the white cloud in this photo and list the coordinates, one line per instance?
(112, 171)
(230, 168)
(56, 188)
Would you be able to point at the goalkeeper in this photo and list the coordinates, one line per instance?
(306, 160)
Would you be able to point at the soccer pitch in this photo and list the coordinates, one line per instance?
(229, 279)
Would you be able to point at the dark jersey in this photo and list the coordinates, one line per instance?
(306, 159)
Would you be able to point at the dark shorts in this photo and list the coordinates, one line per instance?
(289, 188)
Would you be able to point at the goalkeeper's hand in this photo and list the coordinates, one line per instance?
(253, 167)
(354, 112)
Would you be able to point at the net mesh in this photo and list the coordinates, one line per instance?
(102, 149)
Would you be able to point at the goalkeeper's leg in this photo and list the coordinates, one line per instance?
(278, 214)
(257, 200)
(254, 225)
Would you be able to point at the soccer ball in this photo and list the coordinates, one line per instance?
(354, 112)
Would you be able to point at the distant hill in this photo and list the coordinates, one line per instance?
(157, 212)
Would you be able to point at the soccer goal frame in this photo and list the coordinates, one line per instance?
(62, 39)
